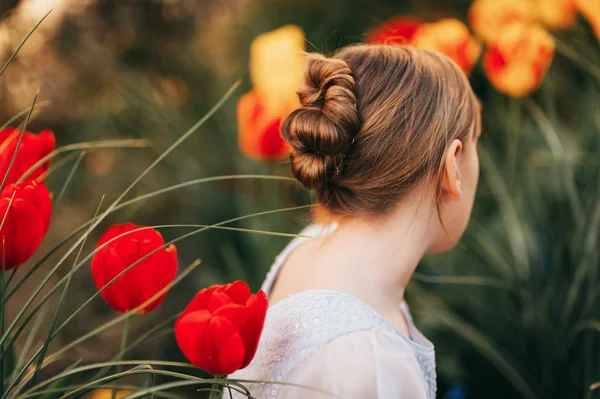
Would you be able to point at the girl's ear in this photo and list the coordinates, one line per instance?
(451, 173)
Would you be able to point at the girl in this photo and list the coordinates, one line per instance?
(386, 138)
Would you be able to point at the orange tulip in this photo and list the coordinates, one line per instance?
(590, 9)
(451, 37)
(276, 60)
(488, 17)
(516, 62)
(557, 14)
(259, 136)
(396, 30)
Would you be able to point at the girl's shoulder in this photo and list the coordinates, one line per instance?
(312, 323)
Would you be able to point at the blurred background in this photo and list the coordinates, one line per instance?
(513, 311)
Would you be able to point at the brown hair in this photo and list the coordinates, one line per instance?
(375, 121)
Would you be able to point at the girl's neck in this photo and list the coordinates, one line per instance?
(375, 259)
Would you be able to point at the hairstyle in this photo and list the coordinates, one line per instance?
(375, 121)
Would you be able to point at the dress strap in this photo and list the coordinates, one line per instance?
(309, 232)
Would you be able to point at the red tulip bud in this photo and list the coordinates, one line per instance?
(220, 328)
(142, 281)
(25, 212)
(33, 148)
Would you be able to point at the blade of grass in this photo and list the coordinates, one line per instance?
(491, 248)
(64, 382)
(22, 133)
(68, 179)
(3, 299)
(558, 152)
(462, 280)
(59, 305)
(137, 342)
(23, 112)
(32, 392)
(512, 224)
(23, 42)
(133, 201)
(568, 52)
(30, 337)
(8, 281)
(122, 348)
(57, 165)
(587, 263)
(88, 145)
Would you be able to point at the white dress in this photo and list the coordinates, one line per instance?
(335, 343)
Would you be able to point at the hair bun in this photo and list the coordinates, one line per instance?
(323, 129)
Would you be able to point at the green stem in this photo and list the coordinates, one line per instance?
(514, 115)
(122, 348)
(215, 392)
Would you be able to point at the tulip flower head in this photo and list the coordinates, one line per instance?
(25, 213)
(488, 17)
(276, 60)
(517, 61)
(396, 30)
(558, 14)
(219, 330)
(452, 38)
(125, 245)
(33, 148)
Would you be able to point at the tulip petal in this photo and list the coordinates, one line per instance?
(209, 342)
(258, 127)
(276, 65)
(238, 291)
(21, 233)
(155, 274)
(33, 147)
(104, 269)
(200, 300)
(396, 30)
(114, 231)
(253, 329)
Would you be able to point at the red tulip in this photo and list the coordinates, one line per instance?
(33, 148)
(396, 30)
(220, 328)
(143, 280)
(25, 212)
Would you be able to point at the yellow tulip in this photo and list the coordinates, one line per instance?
(451, 37)
(276, 61)
(557, 14)
(488, 17)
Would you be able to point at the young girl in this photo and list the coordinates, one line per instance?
(386, 138)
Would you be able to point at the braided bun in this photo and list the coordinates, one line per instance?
(322, 130)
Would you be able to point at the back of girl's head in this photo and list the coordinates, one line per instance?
(375, 122)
